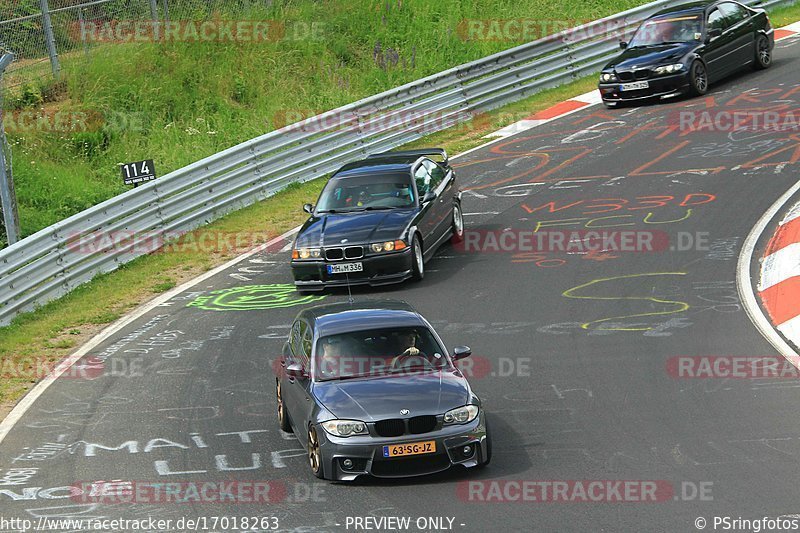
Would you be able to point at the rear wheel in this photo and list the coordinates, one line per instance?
(698, 78)
(417, 259)
(283, 417)
(314, 454)
(763, 57)
(458, 223)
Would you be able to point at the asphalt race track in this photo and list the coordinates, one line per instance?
(574, 353)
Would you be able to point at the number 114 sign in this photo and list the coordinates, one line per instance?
(138, 172)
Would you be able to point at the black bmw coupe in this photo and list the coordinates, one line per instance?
(377, 221)
(683, 49)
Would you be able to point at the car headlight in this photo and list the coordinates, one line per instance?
(461, 415)
(607, 76)
(387, 246)
(306, 253)
(345, 428)
(668, 69)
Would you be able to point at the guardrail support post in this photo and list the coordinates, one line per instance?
(7, 196)
(154, 18)
(49, 38)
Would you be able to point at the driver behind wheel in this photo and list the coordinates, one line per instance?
(406, 342)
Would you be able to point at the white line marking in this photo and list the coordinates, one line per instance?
(27, 401)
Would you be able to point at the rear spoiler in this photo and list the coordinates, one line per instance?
(440, 152)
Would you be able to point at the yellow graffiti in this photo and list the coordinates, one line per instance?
(680, 306)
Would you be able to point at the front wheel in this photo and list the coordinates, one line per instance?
(488, 458)
(314, 453)
(283, 417)
(763, 57)
(417, 259)
(458, 223)
(698, 78)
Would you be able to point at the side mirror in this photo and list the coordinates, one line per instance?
(429, 197)
(713, 33)
(460, 352)
(295, 370)
(308, 208)
(623, 45)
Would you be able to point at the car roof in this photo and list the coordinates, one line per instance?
(689, 7)
(343, 317)
(388, 165)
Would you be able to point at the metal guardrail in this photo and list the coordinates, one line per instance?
(52, 262)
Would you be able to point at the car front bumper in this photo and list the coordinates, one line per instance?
(659, 87)
(366, 452)
(391, 267)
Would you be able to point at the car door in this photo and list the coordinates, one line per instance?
(740, 25)
(305, 405)
(442, 183)
(427, 219)
(293, 389)
(719, 48)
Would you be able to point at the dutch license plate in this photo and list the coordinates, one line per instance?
(412, 448)
(634, 86)
(345, 267)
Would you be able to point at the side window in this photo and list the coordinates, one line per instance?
(716, 20)
(294, 338)
(306, 344)
(304, 348)
(436, 172)
(733, 12)
(423, 179)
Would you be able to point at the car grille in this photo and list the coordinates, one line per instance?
(394, 427)
(421, 424)
(625, 76)
(349, 252)
(411, 466)
(641, 74)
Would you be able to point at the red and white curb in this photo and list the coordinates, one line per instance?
(779, 285)
(787, 31)
(544, 116)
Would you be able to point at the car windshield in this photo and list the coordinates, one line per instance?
(663, 30)
(378, 352)
(360, 193)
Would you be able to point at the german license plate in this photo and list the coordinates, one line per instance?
(634, 86)
(412, 448)
(345, 267)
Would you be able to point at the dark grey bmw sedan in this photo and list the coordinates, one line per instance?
(370, 389)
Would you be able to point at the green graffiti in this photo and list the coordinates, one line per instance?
(253, 298)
